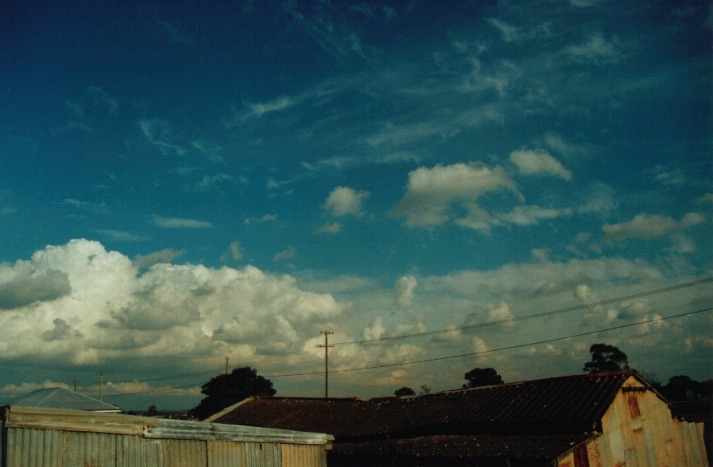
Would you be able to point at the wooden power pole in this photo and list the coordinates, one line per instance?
(326, 361)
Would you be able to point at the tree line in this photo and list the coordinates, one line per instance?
(225, 390)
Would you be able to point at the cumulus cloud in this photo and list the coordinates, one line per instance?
(344, 201)
(24, 283)
(113, 313)
(404, 291)
(432, 192)
(645, 226)
(536, 162)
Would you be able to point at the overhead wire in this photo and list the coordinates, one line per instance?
(528, 317)
(511, 347)
(448, 330)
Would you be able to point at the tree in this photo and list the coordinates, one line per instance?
(478, 377)
(404, 391)
(153, 411)
(682, 388)
(225, 390)
(606, 358)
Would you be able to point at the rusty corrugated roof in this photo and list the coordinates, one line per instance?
(564, 405)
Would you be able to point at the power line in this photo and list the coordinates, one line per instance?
(555, 339)
(528, 317)
(448, 330)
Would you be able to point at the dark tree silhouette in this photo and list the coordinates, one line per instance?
(606, 358)
(404, 391)
(478, 377)
(682, 388)
(225, 390)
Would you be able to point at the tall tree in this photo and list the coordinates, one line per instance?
(606, 358)
(478, 377)
(225, 390)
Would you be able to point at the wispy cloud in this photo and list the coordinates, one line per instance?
(121, 236)
(175, 33)
(166, 255)
(210, 182)
(99, 208)
(179, 223)
(285, 255)
(159, 133)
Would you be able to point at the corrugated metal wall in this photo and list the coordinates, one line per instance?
(55, 448)
(638, 430)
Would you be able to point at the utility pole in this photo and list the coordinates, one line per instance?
(101, 376)
(226, 365)
(326, 361)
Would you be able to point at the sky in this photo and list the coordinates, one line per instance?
(192, 186)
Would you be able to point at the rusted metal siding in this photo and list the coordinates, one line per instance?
(638, 430)
(61, 438)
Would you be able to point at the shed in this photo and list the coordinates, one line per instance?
(610, 419)
(60, 398)
(56, 437)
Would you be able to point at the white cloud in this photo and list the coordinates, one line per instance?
(344, 201)
(100, 97)
(121, 236)
(211, 181)
(284, 255)
(236, 250)
(531, 215)
(259, 109)
(163, 256)
(160, 133)
(647, 226)
(375, 329)
(330, 228)
(404, 291)
(500, 312)
(595, 49)
(23, 284)
(180, 223)
(430, 193)
(536, 162)
(509, 33)
(105, 311)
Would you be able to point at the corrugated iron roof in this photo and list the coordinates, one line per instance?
(564, 405)
(60, 398)
(148, 427)
(530, 447)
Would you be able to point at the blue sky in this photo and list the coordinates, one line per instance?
(185, 182)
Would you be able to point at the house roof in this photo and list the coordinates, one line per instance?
(522, 447)
(564, 405)
(60, 398)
